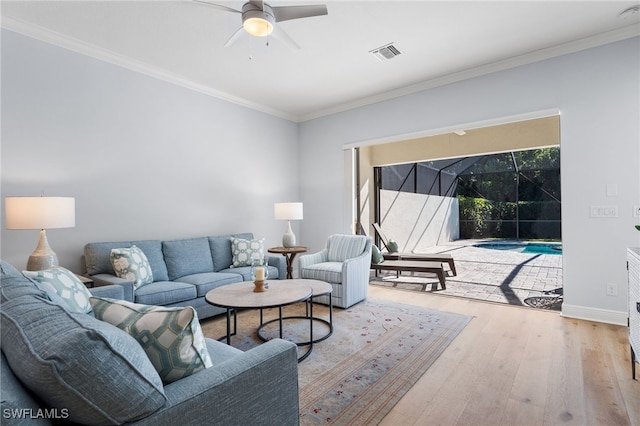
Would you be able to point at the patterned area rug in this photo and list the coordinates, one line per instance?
(377, 352)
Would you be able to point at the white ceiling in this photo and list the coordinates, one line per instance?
(441, 42)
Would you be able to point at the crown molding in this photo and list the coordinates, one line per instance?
(105, 55)
(525, 59)
(87, 49)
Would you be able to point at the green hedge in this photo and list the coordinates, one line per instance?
(482, 218)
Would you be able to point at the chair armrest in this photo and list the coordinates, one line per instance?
(111, 291)
(108, 279)
(259, 384)
(280, 263)
(313, 258)
(361, 262)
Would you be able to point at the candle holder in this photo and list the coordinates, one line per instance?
(259, 275)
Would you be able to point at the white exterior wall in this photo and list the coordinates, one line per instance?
(419, 221)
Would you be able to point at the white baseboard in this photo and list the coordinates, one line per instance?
(595, 314)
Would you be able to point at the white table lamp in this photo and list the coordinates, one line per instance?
(288, 212)
(40, 213)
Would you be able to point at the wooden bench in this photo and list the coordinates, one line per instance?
(430, 257)
(412, 266)
(436, 257)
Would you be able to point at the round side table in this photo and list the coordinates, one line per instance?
(289, 253)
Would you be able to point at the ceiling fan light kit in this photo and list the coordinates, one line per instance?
(259, 19)
(257, 22)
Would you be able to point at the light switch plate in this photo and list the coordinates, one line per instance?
(603, 211)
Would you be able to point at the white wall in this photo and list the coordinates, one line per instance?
(144, 159)
(419, 221)
(597, 92)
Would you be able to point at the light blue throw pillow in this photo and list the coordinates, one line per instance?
(66, 285)
(376, 256)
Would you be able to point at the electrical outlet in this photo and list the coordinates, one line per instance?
(636, 211)
(612, 289)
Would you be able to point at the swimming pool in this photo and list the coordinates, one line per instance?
(531, 248)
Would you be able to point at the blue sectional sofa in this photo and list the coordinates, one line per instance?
(61, 365)
(184, 270)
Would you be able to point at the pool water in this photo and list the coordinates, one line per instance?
(531, 248)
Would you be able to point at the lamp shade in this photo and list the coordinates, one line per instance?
(288, 211)
(40, 212)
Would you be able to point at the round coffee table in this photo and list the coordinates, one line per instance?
(241, 296)
(319, 288)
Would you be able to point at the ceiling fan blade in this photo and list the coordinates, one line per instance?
(285, 13)
(234, 37)
(282, 35)
(218, 6)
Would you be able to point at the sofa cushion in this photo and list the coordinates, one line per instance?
(330, 272)
(343, 247)
(210, 280)
(73, 361)
(97, 257)
(221, 249)
(165, 293)
(8, 270)
(186, 257)
(66, 285)
(16, 397)
(131, 264)
(171, 337)
(245, 252)
(16, 286)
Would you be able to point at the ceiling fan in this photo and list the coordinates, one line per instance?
(259, 19)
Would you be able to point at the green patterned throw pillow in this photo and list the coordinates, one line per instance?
(171, 337)
(392, 246)
(246, 251)
(65, 284)
(131, 264)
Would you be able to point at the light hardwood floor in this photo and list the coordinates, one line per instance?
(520, 366)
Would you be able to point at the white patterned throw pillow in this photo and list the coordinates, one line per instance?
(65, 284)
(246, 251)
(171, 337)
(131, 264)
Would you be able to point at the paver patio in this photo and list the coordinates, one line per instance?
(492, 275)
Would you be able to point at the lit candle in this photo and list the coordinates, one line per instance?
(260, 273)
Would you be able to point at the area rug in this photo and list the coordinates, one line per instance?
(377, 352)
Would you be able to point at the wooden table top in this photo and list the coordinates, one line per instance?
(241, 295)
(284, 250)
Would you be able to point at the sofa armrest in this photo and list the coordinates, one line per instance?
(111, 291)
(313, 258)
(260, 384)
(280, 263)
(108, 279)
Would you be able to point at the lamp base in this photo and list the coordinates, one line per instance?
(289, 238)
(40, 263)
(42, 257)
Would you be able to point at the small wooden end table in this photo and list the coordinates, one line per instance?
(289, 253)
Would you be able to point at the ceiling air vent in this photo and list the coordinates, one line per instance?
(388, 51)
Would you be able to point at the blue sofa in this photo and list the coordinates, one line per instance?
(184, 270)
(75, 369)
